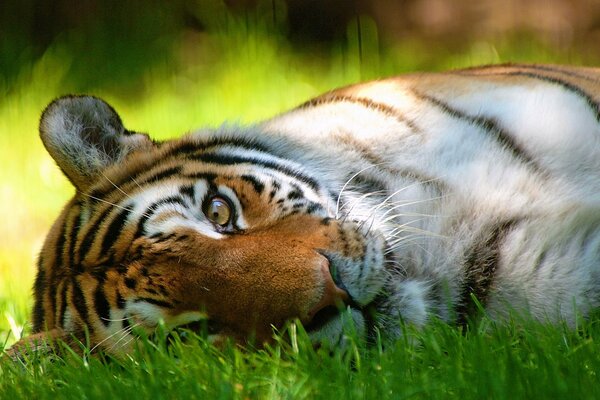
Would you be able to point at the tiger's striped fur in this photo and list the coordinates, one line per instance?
(400, 198)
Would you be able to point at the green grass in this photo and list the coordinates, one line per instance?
(242, 73)
(492, 362)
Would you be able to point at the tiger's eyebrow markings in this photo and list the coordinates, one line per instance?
(229, 159)
(192, 146)
(295, 193)
(150, 210)
(132, 181)
(489, 125)
(187, 191)
(180, 152)
(256, 184)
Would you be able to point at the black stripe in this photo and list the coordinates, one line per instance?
(187, 148)
(222, 159)
(126, 324)
(75, 227)
(593, 104)
(150, 211)
(188, 191)
(364, 149)
(101, 305)
(313, 208)
(78, 300)
(160, 303)
(60, 316)
(295, 193)
(181, 151)
(209, 177)
(89, 237)
(130, 283)
(487, 124)
(595, 109)
(480, 265)
(102, 193)
(59, 249)
(433, 183)
(99, 271)
(540, 260)
(164, 174)
(59, 252)
(373, 184)
(275, 186)
(38, 288)
(367, 184)
(256, 184)
(114, 229)
(120, 300)
(365, 102)
(558, 70)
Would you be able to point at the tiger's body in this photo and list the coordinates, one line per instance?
(400, 198)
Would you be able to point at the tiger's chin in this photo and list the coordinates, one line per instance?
(400, 301)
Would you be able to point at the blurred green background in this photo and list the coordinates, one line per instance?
(170, 67)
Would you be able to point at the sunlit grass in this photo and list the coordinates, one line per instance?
(487, 361)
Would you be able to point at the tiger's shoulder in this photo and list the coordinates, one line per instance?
(583, 80)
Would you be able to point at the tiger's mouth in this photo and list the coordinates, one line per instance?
(208, 328)
(205, 327)
(323, 317)
(368, 313)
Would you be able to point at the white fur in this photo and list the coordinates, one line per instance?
(557, 207)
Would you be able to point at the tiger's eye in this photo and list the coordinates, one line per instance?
(218, 211)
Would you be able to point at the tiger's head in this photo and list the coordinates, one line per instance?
(215, 228)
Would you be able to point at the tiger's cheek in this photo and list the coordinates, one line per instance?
(251, 282)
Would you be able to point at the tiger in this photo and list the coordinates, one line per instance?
(379, 205)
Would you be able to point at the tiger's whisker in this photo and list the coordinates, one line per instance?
(123, 330)
(348, 182)
(114, 205)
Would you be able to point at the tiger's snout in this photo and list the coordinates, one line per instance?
(332, 296)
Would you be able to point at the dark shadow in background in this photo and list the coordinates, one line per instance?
(117, 40)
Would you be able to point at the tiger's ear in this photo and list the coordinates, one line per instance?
(85, 135)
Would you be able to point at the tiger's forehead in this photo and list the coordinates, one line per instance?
(190, 158)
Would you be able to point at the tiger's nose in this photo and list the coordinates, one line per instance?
(332, 296)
